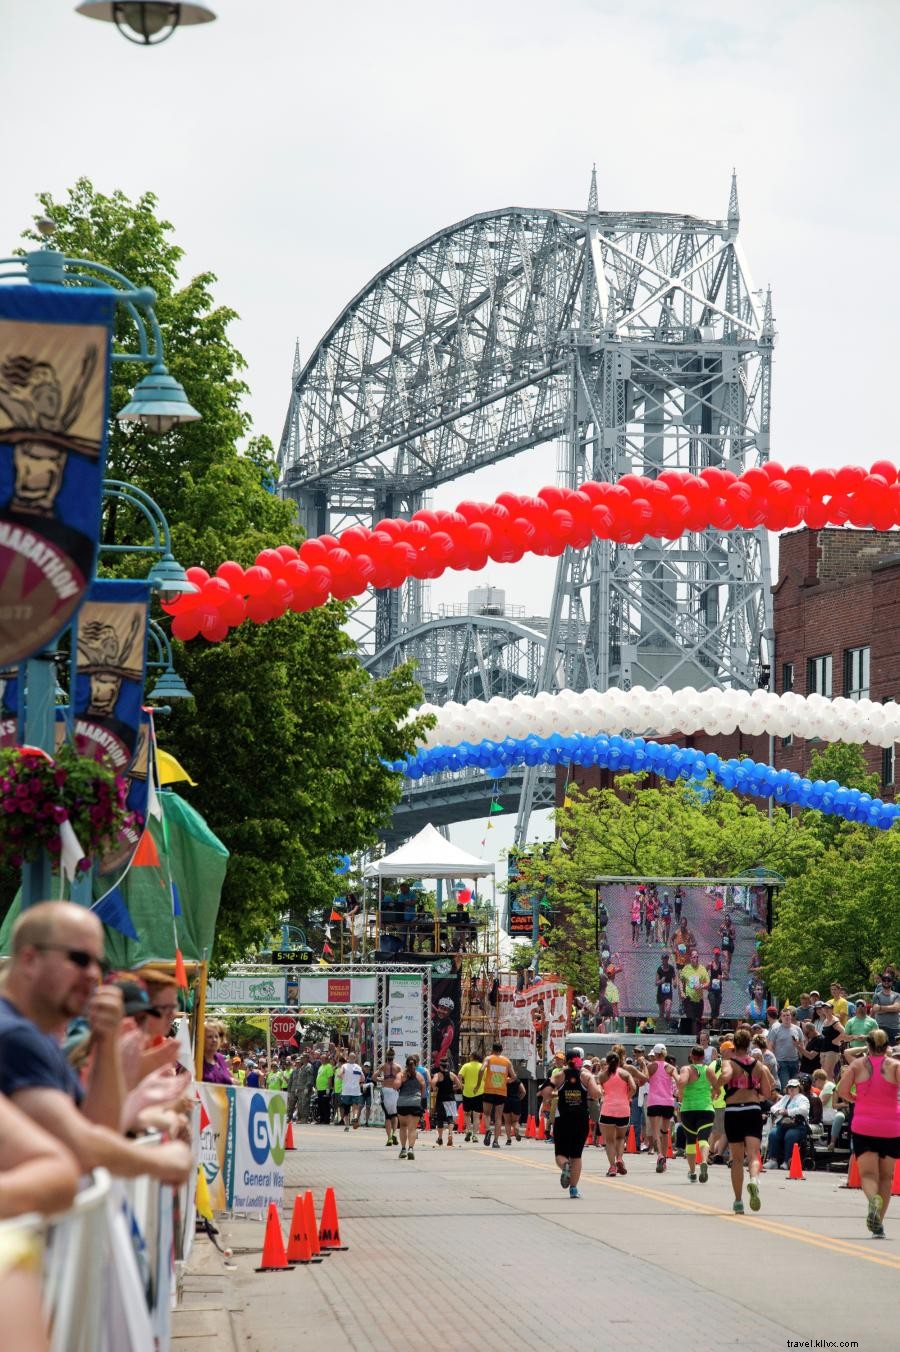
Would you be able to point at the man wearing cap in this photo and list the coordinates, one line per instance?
(790, 1116)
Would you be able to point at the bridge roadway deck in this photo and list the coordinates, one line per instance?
(475, 1248)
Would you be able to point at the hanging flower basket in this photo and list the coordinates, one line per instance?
(39, 794)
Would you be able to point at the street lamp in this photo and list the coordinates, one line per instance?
(167, 577)
(146, 23)
(169, 685)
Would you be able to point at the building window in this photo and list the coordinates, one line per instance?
(787, 677)
(818, 675)
(887, 766)
(856, 673)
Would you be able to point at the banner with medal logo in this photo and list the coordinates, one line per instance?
(54, 396)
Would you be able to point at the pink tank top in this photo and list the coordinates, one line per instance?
(876, 1112)
(615, 1097)
(661, 1089)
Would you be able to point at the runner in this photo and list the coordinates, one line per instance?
(679, 902)
(469, 1074)
(661, 1078)
(496, 1074)
(409, 1107)
(515, 1092)
(389, 1079)
(367, 1093)
(636, 918)
(650, 914)
(575, 1086)
(446, 1084)
(747, 1084)
(617, 1085)
(664, 923)
(351, 1092)
(666, 977)
(875, 1076)
(697, 1082)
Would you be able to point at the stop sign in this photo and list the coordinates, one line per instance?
(284, 1026)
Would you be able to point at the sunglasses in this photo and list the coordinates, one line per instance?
(79, 957)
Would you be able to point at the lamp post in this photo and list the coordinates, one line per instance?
(159, 402)
(145, 22)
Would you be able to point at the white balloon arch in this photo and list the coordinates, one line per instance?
(663, 711)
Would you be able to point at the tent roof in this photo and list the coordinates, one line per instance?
(429, 855)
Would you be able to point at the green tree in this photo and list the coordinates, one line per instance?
(288, 732)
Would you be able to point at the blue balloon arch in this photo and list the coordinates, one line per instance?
(752, 778)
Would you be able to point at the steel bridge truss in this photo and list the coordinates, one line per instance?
(636, 341)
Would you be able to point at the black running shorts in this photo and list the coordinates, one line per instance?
(697, 1125)
(742, 1121)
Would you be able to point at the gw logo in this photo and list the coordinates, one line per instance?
(267, 1128)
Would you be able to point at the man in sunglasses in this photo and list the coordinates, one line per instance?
(52, 977)
(886, 1004)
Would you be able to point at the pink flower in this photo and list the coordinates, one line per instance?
(59, 814)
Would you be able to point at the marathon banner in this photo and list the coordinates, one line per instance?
(118, 857)
(110, 667)
(533, 1022)
(446, 995)
(404, 1016)
(242, 1148)
(54, 396)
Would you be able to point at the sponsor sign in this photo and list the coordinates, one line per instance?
(54, 365)
(247, 990)
(242, 1147)
(404, 1025)
(325, 990)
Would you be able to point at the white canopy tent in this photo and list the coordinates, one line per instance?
(429, 855)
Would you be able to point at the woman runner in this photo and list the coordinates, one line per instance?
(747, 1083)
(575, 1085)
(446, 1084)
(876, 1123)
(636, 918)
(661, 1079)
(697, 1082)
(615, 1112)
(409, 1107)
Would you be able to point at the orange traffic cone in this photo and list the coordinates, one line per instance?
(289, 1137)
(309, 1210)
(329, 1229)
(630, 1147)
(895, 1186)
(670, 1154)
(274, 1258)
(796, 1169)
(853, 1174)
(427, 1126)
(460, 1119)
(482, 1129)
(542, 1130)
(590, 1138)
(530, 1128)
(299, 1249)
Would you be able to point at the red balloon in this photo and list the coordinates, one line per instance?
(185, 627)
(320, 580)
(296, 573)
(197, 575)
(313, 552)
(257, 581)
(440, 546)
(232, 573)
(355, 539)
(822, 483)
(259, 609)
(234, 610)
(271, 559)
(479, 537)
(887, 471)
(287, 552)
(849, 477)
(773, 470)
(215, 591)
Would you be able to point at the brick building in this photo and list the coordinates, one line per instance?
(837, 632)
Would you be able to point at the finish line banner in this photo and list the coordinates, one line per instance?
(54, 396)
(242, 1147)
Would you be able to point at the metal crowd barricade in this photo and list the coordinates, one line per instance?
(109, 1263)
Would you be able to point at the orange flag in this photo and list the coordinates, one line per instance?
(180, 973)
(146, 852)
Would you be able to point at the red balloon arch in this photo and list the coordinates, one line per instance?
(674, 503)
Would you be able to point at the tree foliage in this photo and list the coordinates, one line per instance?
(287, 731)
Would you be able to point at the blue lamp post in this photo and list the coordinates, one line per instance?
(160, 403)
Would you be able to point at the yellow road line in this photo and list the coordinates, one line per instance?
(843, 1248)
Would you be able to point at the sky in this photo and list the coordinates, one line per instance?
(299, 147)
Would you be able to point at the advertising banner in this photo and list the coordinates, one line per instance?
(445, 1012)
(248, 990)
(111, 645)
(54, 365)
(533, 1022)
(242, 1147)
(327, 990)
(404, 1025)
(217, 1141)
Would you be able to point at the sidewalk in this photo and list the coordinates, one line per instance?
(488, 1241)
